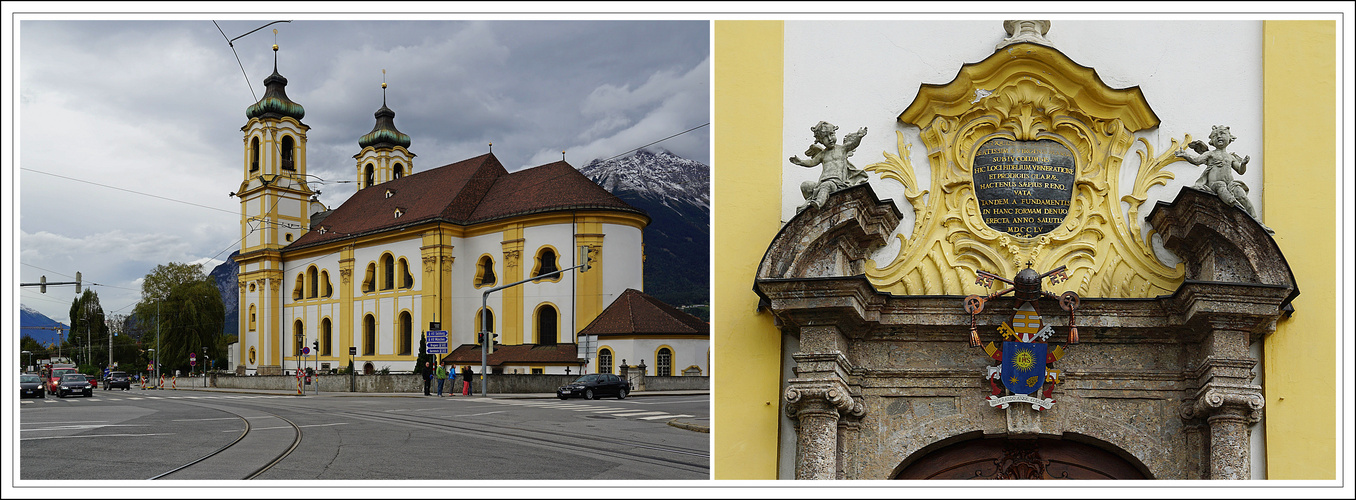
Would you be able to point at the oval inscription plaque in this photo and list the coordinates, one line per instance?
(1023, 187)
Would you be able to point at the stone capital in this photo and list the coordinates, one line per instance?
(1215, 400)
(826, 399)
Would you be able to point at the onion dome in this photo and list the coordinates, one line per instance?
(275, 103)
(384, 134)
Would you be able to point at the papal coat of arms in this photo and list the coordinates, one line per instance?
(1025, 356)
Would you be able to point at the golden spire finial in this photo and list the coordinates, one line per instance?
(383, 78)
(275, 39)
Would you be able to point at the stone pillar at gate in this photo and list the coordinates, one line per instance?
(817, 408)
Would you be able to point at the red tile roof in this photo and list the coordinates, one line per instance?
(467, 192)
(634, 313)
(469, 354)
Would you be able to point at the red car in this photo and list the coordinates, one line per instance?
(93, 382)
(54, 378)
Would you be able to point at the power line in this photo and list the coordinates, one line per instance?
(127, 190)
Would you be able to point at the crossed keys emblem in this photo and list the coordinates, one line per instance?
(1027, 285)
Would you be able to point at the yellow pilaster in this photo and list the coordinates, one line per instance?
(436, 253)
(511, 314)
(344, 325)
(1299, 201)
(589, 287)
(747, 181)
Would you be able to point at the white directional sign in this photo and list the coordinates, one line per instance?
(435, 341)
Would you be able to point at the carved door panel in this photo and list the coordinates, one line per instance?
(1020, 459)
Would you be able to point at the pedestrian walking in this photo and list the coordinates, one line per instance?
(441, 375)
(428, 378)
(466, 375)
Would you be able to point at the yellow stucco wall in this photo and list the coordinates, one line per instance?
(746, 216)
(1299, 189)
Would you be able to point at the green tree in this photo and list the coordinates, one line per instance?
(183, 305)
(89, 332)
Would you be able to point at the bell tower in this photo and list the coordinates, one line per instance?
(275, 205)
(384, 156)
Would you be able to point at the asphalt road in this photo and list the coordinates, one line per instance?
(160, 434)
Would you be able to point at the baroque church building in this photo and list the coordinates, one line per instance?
(414, 250)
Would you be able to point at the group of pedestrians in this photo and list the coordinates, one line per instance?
(442, 374)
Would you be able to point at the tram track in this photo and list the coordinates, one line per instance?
(217, 465)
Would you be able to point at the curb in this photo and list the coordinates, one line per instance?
(690, 427)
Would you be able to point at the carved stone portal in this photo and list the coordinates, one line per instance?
(1163, 382)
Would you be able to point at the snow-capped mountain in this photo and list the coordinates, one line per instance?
(225, 274)
(676, 193)
(29, 317)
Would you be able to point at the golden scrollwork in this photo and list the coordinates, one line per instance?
(1026, 92)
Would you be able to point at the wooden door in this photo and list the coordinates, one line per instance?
(1021, 459)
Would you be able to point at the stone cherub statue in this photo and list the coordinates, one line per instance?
(1217, 177)
(838, 173)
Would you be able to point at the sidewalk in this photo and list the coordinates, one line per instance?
(692, 424)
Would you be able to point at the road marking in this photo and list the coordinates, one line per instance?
(91, 436)
(629, 413)
(477, 414)
(77, 427)
(664, 416)
(203, 419)
(65, 423)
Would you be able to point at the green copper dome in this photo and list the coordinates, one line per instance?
(275, 102)
(384, 134)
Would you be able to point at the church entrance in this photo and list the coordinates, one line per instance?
(1019, 459)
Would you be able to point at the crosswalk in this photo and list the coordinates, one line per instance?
(77, 400)
(638, 414)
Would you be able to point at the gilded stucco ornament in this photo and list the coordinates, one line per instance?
(837, 173)
(1027, 96)
(1217, 177)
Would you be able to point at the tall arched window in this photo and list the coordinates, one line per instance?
(298, 337)
(406, 333)
(298, 287)
(369, 335)
(548, 321)
(327, 290)
(485, 271)
(326, 338)
(370, 278)
(314, 276)
(287, 146)
(368, 178)
(403, 270)
(388, 272)
(399, 171)
(254, 154)
(663, 363)
(605, 360)
(252, 317)
(480, 323)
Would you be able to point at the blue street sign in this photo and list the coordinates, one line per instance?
(435, 341)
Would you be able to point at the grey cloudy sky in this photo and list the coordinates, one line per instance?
(156, 107)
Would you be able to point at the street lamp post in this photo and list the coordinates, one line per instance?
(155, 364)
(204, 367)
(30, 358)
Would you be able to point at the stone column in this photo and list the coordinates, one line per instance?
(815, 407)
(1227, 400)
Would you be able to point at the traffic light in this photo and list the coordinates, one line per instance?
(315, 346)
(489, 348)
(43, 287)
(77, 282)
(310, 372)
(584, 259)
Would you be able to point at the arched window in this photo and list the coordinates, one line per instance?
(480, 323)
(663, 363)
(254, 154)
(485, 271)
(605, 360)
(548, 321)
(368, 178)
(327, 290)
(546, 263)
(298, 287)
(370, 278)
(314, 290)
(388, 272)
(403, 268)
(326, 338)
(406, 333)
(287, 146)
(399, 171)
(298, 337)
(369, 335)
(252, 317)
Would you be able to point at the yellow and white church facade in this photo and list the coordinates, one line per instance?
(413, 250)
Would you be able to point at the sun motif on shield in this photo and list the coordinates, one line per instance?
(1024, 360)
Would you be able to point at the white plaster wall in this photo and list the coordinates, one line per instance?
(853, 74)
(622, 261)
(561, 293)
(465, 298)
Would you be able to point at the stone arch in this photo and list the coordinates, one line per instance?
(972, 456)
